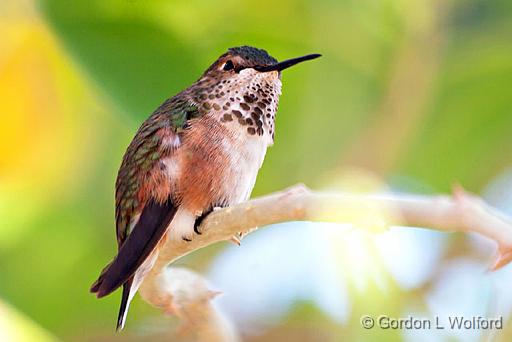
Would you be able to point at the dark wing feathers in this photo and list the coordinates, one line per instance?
(135, 194)
(140, 243)
(142, 155)
(133, 197)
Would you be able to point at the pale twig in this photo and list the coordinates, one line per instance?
(461, 212)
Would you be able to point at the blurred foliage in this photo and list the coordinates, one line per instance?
(15, 327)
(417, 92)
(452, 58)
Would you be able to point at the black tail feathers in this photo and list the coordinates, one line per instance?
(125, 303)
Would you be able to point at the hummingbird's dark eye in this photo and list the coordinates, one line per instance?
(228, 66)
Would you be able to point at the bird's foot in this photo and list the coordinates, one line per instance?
(200, 216)
(199, 220)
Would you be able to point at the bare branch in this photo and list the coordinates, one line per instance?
(462, 212)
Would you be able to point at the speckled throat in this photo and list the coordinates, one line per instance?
(247, 102)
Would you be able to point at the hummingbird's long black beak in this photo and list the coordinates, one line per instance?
(287, 63)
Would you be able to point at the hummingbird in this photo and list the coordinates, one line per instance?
(201, 149)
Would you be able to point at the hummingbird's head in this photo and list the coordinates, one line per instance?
(237, 59)
(244, 84)
(251, 60)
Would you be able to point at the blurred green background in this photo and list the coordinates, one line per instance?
(414, 93)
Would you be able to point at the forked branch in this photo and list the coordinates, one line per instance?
(461, 212)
